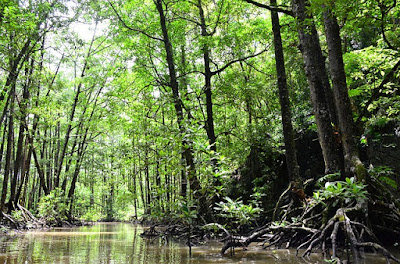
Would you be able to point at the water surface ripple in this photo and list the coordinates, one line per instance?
(120, 243)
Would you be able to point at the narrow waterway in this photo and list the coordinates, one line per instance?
(121, 243)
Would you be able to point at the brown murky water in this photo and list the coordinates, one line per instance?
(121, 243)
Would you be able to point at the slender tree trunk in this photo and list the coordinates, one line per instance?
(288, 134)
(319, 85)
(142, 194)
(17, 167)
(187, 148)
(135, 201)
(73, 110)
(207, 83)
(24, 171)
(158, 182)
(21, 158)
(3, 142)
(9, 151)
(31, 195)
(56, 156)
(82, 144)
(342, 100)
(184, 85)
(147, 180)
(40, 173)
(81, 152)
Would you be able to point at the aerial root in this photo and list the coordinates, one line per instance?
(27, 220)
(353, 236)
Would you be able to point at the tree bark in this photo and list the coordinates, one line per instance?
(9, 151)
(207, 83)
(342, 101)
(314, 64)
(10, 146)
(288, 134)
(184, 84)
(23, 157)
(19, 159)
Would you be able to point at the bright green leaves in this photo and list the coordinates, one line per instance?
(367, 72)
(14, 18)
(341, 193)
(237, 212)
(385, 175)
(187, 214)
(53, 207)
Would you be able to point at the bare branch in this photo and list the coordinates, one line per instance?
(271, 8)
(218, 19)
(190, 72)
(131, 28)
(237, 60)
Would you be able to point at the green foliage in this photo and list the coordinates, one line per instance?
(17, 215)
(53, 207)
(186, 212)
(131, 154)
(92, 215)
(384, 174)
(328, 178)
(366, 70)
(237, 213)
(341, 193)
(332, 261)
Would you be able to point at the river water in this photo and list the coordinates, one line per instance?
(121, 243)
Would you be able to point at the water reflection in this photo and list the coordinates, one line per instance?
(121, 243)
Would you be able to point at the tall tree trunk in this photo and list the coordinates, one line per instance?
(186, 146)
(147, 180)
(3, 141)
(73, 110)
(40, 173)
(83, 143)
(24, 170)
(288, 134)
(20, 166)
(56, 156)
(184, 85)
(342, 100)
(314, 64)
(207, 82)
(134, 188)
(9, 151)
(142, 194)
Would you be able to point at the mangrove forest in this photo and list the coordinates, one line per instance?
(247, 123)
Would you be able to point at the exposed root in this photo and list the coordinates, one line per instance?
(351, 228)
(280, 231)
(279, 201)
(243, 241)
(25, 220)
